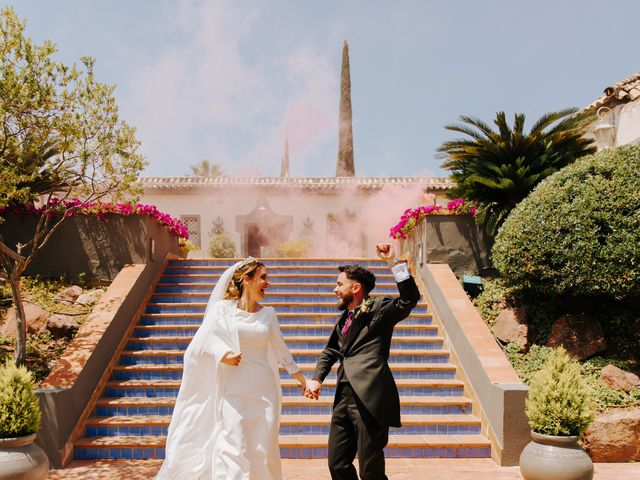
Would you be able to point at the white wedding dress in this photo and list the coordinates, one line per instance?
(226, 419)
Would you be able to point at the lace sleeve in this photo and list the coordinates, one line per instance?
(279, 346)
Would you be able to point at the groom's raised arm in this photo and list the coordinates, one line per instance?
(397, 309)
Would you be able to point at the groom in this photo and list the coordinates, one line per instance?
(366, 402)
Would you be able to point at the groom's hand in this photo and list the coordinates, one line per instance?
(313, 389)
(384, 251)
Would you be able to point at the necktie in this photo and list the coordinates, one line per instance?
(347, 324)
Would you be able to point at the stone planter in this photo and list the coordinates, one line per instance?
(21, 459)
(549, 457)
(451, 239)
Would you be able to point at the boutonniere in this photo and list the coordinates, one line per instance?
(364, 308)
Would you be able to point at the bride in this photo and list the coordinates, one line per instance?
(227, 413)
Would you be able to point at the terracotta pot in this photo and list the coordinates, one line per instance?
(550, 457)
(21, 459)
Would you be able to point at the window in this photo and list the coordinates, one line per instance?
(192, 222)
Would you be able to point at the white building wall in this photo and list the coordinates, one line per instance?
(376, 211)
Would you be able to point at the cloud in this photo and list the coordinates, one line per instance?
(205, 96)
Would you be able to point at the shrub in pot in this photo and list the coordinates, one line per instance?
(293, 249)
(559, 409)
(221, 246)
(19, 422)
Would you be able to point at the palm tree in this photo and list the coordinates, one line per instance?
(206, 169)
(498, 169)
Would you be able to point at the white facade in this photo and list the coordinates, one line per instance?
(336, 216)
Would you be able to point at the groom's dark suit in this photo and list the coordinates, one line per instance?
(367, 400)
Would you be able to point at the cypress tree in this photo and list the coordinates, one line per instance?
(345, 164)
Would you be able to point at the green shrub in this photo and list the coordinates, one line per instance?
(494, 297)
(221, 246)
(578, 233)
(559, 400)
(19, 409)
(293, 249)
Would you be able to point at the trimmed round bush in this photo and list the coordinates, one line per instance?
(578, 232)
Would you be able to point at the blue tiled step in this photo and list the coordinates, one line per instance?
(408, 387)
(160, 373)
(176, 330)
(272, 270)
(290, 387)
(291, 405)
(167, 342)
(174, 357)
(181, 318)
(295, 446)
(328, 279)
(279, 287)
(274, 262)
(281, 308)
(272, 299)
(144, 425)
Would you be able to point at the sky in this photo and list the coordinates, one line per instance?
(228, 81)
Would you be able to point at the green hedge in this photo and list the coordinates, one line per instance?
(578, 232)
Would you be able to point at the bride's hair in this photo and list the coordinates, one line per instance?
(248, 267)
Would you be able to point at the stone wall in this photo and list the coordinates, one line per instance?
(94, 248)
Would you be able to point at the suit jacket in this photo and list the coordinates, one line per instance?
(365, 352)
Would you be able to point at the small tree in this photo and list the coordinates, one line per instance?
(559, 401)
(61, 138)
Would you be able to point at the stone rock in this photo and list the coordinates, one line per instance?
(580, 335)
(61, 326)
(618, 379)
(69, 295)
(35, 315)
(90, 298)
(614, 436)
(511, 326)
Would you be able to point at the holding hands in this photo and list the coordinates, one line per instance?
(312, 389)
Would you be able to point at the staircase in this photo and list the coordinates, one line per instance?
(130, 420)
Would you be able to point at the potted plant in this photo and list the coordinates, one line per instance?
(185, 246)
(221, 246)
(19, 422)
(559, 409)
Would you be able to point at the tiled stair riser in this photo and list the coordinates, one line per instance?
(176, 287)
(296, 330)
(128, 453)
(299, 358)
(306, 429)
(281, 309)
(168, 344)
(146, 381)
(287, 410)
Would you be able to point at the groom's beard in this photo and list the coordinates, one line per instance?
(344, 302)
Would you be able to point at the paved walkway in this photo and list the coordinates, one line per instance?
(397, 469)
